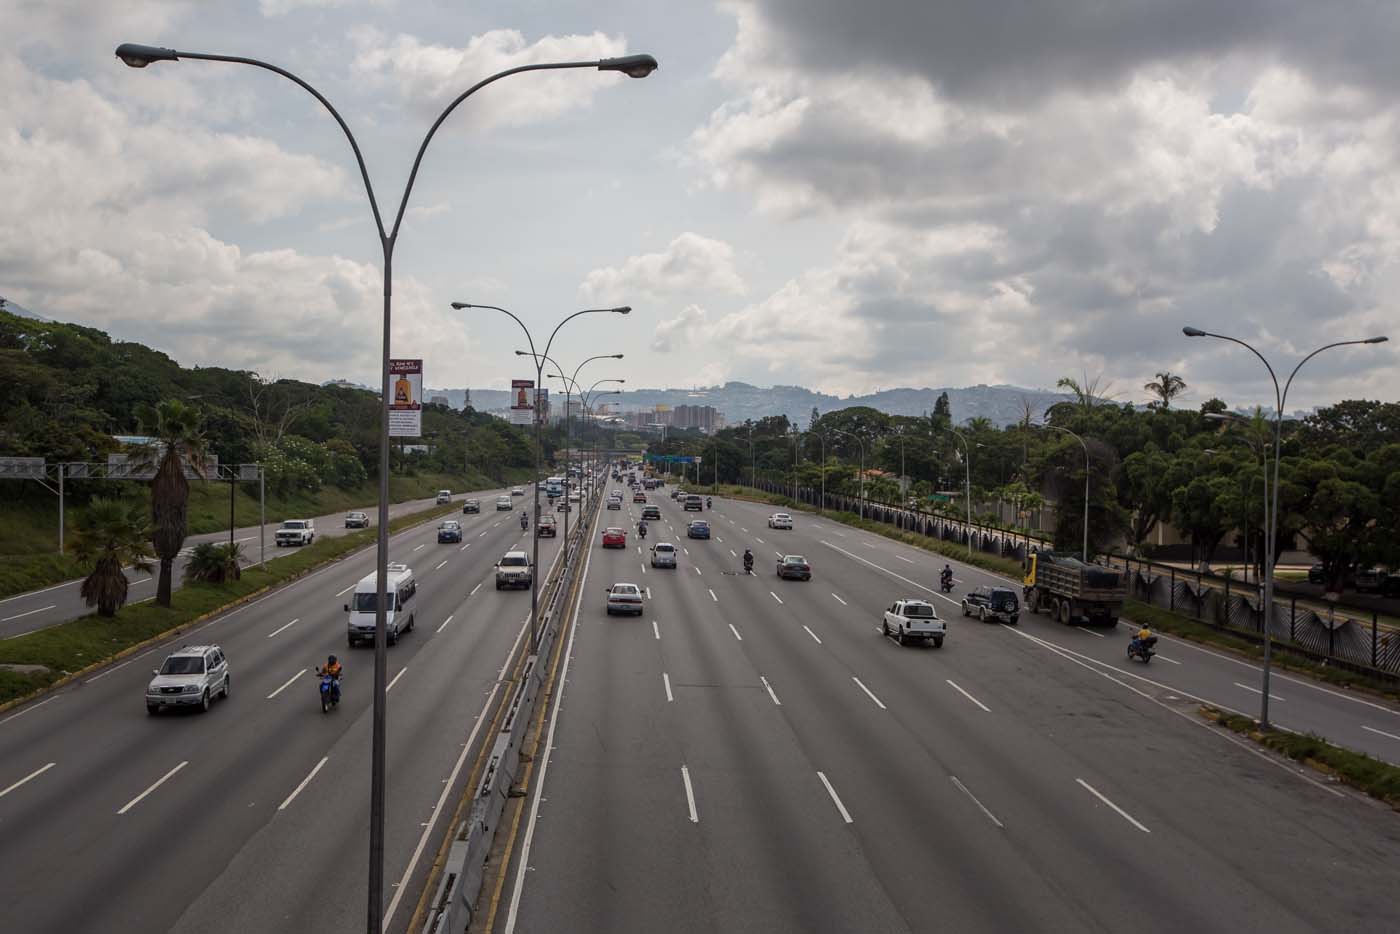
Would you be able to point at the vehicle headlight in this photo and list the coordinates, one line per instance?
(190, 689)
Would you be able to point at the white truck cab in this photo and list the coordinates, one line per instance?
(914, 621)
(400, 586)
(296, 532)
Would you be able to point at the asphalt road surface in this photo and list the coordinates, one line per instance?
(254, 816)
(751, 754)
(39, 609)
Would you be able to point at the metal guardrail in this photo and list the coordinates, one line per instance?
(454, 900)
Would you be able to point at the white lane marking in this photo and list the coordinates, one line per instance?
(840, 601)
(304, 782)
(990, 816)
(439, 567)
(648, 593)
(1381, 732)
(891, 573)
(1089, 631)
(445, 622)
(390, 686)
(655, 631)
(697, 571)
(845, 814)
(643, 567)
(812, 634)
(769, 687)
(742, 529)
(759, 540)
(1165, 659)
(465, 547)
(775, 596)
(29, 613)
(280, 628)
(967, 695)
(733, 552)
(718, 539)
(474, 590)
(27, 709)
(736, 632)
(1256, 691)
(834, 532)
(420, 546)
(868, 544)
(666, 679)
(689, 795)
(1121, 813)
(122, 665)
(904, 559)
(160, 781)
(713, 597)
(346, 591)
(287, 685)
(32, 775)
(686, 550)
(868, 692)
(483, 534)
(778, 554)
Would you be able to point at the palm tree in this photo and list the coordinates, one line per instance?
(175, 426)
(111, 534)
(213, 563)
(1166, 387)
(1088, 392)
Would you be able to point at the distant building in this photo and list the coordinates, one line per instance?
(439, 399)
(705, 417)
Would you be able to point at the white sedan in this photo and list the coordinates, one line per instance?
(624, 598)
(780, 520)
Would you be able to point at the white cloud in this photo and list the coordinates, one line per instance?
(427, 76)
(689, 263)
(429, 210)
(686, 326)
(283, 7)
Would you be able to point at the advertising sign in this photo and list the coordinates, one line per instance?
(522, 403)
(406, 398)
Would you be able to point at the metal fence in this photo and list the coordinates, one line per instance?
(1344, 636)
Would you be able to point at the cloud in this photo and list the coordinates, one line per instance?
(427, 76)
(689, 263)
(272, 8)
(1004, 229)
(685, 327)
(429, 210)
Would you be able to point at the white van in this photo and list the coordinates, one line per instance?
(444, 496)
(400, 585)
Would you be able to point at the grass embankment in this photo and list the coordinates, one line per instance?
(1380, 780)
(90, 640)
(1135, 611)
(29, 529)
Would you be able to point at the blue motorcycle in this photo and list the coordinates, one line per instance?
(330, 692)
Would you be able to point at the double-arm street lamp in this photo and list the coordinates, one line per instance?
(635, 66)
(1084, 555)
(822, 438)
(967, 478)
(1271, 517)
(858, 441)
(570, 390)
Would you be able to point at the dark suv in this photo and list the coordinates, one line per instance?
(999, 603)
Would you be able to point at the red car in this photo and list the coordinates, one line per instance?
(639, 497)
(614, 538)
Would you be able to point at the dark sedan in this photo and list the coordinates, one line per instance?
(794, 567)
(697, 528)
(449, 531)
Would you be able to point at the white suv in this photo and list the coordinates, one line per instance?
(513, 570)
(780, 520)
(191, 676)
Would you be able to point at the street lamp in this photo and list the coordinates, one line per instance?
(1262, 452)
(1084, 555)
(636, 66)
(589, 396)
(570, 390)
(539, 444)
(822, 507)
(1271, 517)
(862, 464)
(967, 478)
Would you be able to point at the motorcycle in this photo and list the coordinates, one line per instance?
(946, 584)
(1142, 649)
(524, 521)
(330, 692)
(642, 531)
(748, 564)
(708, 504)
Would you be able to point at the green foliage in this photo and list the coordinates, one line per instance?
(214, 564)
(110, 535)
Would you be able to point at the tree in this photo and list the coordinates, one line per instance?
(214, 564)
(111, 534)
(175, 426)
(1166, 387)
(1088, 392)
(943, 409)
(814, 419)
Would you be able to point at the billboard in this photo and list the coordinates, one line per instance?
(406, 398)
(522, 402)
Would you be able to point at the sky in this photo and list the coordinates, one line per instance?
(844, 196)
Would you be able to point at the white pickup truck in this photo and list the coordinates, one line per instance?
(914, 621)
(296, 532)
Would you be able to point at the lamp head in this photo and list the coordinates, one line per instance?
(1193, 332)
(460, 305)
(633, 66)
(139, 56)
(1376, 340)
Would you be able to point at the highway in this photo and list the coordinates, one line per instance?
(254, 816)
(752, 755)
(49, 606)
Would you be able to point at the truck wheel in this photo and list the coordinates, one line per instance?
(1064, 609)
(982, 614)
(393, 637)
(902, 640)
(938, 642)
(964, 608)
(350, 641)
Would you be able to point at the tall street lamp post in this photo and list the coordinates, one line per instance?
(570, 390)
(1261, 451)
(858, 441)
(139, 56)
(822, 438)
(1271, 529)
(967, 478)
(1084, 555)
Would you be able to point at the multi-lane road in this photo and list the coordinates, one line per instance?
(49, 606)
(254, 816)
(753, 755)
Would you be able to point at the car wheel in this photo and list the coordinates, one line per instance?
(902, 640)
(1015, 620)
(153, 709)
(982, 614)
(885, 628)
(965, 610)
(498, 585)
(393, 637)
(204, 701)
(350, 642)
(227, 680)
(938, 643)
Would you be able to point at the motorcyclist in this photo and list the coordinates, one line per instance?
(748, 561)
(708, 503)
(333, 670)
(1140, 640)
(642, 529)
(946, 578)
(524, 519)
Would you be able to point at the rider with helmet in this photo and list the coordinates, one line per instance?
(642, 529)
(748, 561)
(333, 670)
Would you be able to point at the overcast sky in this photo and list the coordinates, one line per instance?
(847, 196)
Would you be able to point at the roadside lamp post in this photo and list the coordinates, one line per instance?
(1262, 452)
(967, 479)
(570, 390)
(822, 438)
(588, 396)
(1084, 555)
(862, 464)
(1271, 528)
(635, 66)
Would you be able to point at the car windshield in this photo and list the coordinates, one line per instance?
(625, 590)
(794, 559)
(366, 602)
(918, 611)
(665, 548)
(514, 561)
(183, 665)
(293, 525)
(700, 524)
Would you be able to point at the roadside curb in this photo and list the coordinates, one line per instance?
(203, 617)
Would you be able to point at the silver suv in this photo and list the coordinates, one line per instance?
(192, 675)
(513, 570)
(663, 555)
